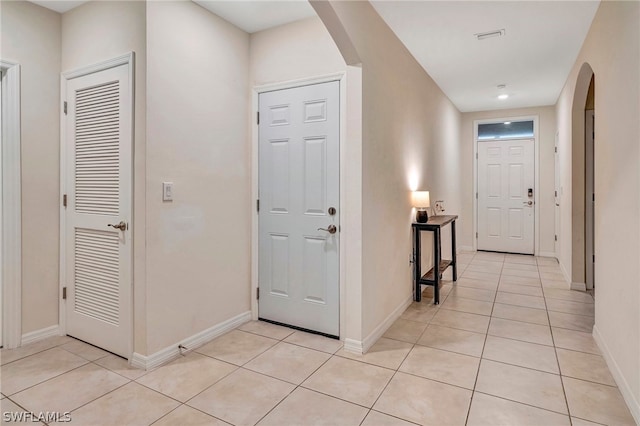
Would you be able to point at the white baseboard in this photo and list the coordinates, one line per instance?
(464, 248)
(579, 286)
(361, 347)
(623, 385)
(567, 278)
(547, 254)
(353, 346)
(172, 352)
(43, 333)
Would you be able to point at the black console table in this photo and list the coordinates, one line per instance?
(433, 276)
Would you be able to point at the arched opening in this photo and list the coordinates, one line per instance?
(582, 180)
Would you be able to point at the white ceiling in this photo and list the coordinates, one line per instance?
(59, 6)
(541, 42)
(533, 58)
(258, 15)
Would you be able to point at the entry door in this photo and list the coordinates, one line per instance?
(299, 207)
(505, 196)
(98, 213)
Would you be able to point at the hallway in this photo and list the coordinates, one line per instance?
(507, 345)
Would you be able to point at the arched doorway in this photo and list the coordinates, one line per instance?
(583, 176)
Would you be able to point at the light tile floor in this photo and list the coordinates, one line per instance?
(508, 345)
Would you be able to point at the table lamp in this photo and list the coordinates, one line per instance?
(421, 202)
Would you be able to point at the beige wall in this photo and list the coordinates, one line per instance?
(95, 32)
(410, 139)
(546, 134)
(198, 246)
(294, 51)
(612, 49)
(31, 38)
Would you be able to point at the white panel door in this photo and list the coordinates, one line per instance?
(505, 196)
(98, 187)
(299, 187)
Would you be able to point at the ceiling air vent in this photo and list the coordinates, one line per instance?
(489, 34)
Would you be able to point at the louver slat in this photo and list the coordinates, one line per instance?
(97, 156)
(97, 275)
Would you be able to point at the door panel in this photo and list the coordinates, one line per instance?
(298, 183)
(505, 217)
(98, 186)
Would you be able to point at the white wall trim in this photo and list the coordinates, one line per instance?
(125, 59)
(536, 189)
(579, 286)
(44, 333)
(173, 351)
(550, 254)
(616, 372)
(341, 78)
(11, 267)
(567, 278)
(353, 346)
(359, 347)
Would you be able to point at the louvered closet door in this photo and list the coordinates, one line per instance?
(98, 187)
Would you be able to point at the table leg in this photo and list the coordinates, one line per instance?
(454, 261)
(436, 267)
(417, 296)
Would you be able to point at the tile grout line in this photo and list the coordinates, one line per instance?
(555, 351)
(484, 345)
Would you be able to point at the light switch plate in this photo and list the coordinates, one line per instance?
(167, 191)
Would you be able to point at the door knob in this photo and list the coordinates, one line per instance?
(331, 229)
(121, 226)
(528, 203)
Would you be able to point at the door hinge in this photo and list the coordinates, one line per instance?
(64, 293)
(555, 193)
(593, 197)
(476, 235)
(64, 106)
(476, 195)
(258, 206)
(556, 149)
(476, 155)
(555, 238)
(258, 293)
(258, 117)
(64, 200)
(593, 258)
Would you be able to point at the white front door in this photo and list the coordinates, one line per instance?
(505, 196)
(299, 197)
(98, 192)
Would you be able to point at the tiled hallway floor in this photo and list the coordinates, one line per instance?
(508, 345)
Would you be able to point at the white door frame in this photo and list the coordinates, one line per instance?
(126, 59)
(341, 77)
(11, 262)
(536, 167)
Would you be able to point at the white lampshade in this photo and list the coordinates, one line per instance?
(420, 199)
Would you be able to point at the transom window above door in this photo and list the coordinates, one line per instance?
(505, 130)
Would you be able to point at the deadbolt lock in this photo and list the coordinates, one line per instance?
(332, 211)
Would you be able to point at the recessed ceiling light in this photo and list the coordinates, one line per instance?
(503, 96)
(490, 34)
(507, 122)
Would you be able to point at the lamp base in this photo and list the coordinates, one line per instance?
(422, 216)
